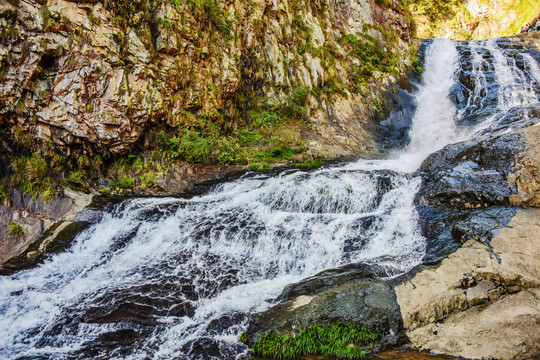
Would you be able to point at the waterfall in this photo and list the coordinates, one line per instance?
(154, 276)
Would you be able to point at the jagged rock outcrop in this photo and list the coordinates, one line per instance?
(36, 216)
(77, 76)
(479, 296)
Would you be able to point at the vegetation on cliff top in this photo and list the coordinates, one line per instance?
(462, 20)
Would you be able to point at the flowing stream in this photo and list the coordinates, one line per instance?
(171, 278)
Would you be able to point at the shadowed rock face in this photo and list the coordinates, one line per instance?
(75, 75)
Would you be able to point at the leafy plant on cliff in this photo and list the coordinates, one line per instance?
(32, 175)
(16, 229)
(208, 11)
(338, 340)
(372, 56)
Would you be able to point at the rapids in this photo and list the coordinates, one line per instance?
(175, 278)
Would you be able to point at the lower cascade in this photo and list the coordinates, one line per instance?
(178, 278)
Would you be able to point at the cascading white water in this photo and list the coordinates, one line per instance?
(516, 85)
(433, 124)
(515, 89)
(149, 278)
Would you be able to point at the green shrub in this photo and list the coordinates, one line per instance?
(315, 163)
(16, 229)
(338, 340)
(194, 148)
(32, 175)
(147, 180)
(384, 3)
(76, 178)
(478, 302)
(125, 182)
(372, 56)
(49, 193)
(2, 194)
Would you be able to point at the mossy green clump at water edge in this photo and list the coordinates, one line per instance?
(2, 194)
(340, 340)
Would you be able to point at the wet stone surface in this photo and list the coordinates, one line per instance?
(471, 174)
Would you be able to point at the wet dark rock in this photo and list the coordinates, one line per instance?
(332, 278)
(208, 348)
(515, 118)
(117, 338)
(125, 312)
(113, 344)
(365, 302)
(471, 174)
(226, 322)
(446, 228)
(393, 130)
(185, 308)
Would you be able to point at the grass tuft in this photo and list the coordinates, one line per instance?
(338, 340)
(16, 229)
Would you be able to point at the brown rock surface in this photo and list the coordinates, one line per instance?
(526, 178)
(36, 216)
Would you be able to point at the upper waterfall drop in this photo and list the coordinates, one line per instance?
(433, 125)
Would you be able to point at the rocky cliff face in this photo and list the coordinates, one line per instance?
(78, 77)
(472, 19)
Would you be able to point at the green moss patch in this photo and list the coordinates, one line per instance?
(344, 341)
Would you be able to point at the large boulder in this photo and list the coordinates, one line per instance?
(489, 170)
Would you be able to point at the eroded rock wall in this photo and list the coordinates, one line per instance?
(75, 75)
